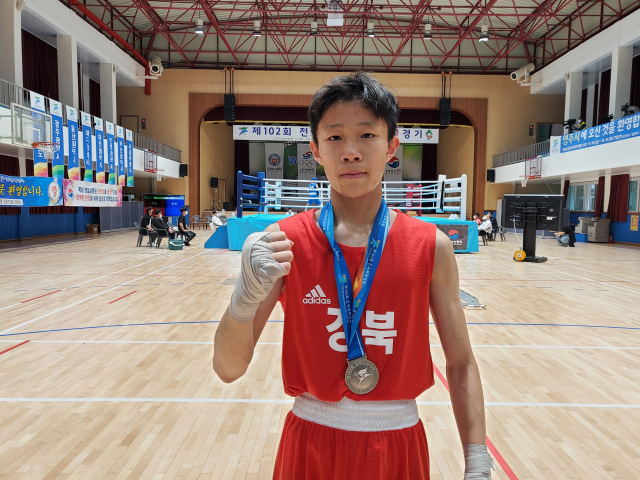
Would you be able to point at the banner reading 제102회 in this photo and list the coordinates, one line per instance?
(88, 194)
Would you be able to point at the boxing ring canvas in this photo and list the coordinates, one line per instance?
(463, 234)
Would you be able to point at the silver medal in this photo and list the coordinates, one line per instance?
(362, 375)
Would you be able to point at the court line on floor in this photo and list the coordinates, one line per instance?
(433, 345)
(15, 346)
(124, 296)
(620, 406)
(4, 334)
(94, 296)
(501, 461)
(570, 274)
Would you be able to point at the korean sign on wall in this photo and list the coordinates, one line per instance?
(622, 129)
(30, 191)
(87, 194)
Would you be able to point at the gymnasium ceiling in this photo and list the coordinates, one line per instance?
(519, 31)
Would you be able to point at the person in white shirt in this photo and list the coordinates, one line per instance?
(215, 221)
(484, 229)
(289, 213)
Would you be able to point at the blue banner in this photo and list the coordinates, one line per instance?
(57, 163)
(111, 154)
(122, 173)
(100, 171)
(129, 158)
(73, 166)
(30, 191)
(614, 131)
(86, 147)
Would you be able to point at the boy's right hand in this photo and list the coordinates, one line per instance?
(266, 256)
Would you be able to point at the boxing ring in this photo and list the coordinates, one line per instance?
(271, 198)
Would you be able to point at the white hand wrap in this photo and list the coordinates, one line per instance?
(258, 272)
(477, 462)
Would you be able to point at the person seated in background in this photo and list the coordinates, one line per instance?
(566, 237)
(215, 221)
(581, 124)
(289, 213)
(494, 226)
(146, 223)
(476, 218)
(234, 214)
(159, 224)
(484, 229)
(182, 226)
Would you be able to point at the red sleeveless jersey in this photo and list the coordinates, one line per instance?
(394, 324)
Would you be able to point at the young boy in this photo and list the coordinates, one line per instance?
(355, 354)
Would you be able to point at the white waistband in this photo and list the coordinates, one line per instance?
(361, 416)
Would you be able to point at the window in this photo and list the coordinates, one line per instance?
(634, 183)
(582, 196)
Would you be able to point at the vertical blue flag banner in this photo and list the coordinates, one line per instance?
(129, 158)
(39, 162)
(73, 167)
(57, 163)
(86, 146)
(111, 154)
(121, 170)
(100, 170)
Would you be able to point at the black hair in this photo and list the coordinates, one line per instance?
(149, 209)
(359, 87)
(157, 211)
(183, 209)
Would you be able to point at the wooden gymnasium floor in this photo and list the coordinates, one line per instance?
(115, 379)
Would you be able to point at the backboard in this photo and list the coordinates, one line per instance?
(150, 161)
(29, 126)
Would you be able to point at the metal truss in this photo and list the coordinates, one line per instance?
(519, 32)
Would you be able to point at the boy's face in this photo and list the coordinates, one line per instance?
(353, 148)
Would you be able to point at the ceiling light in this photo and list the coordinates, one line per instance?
(256, 28)
(370, 32)
(427, 32)
(484, 35)
(199, 26)
(314, 29)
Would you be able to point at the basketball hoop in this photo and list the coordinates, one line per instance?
(158, 172)
(48, 149)
(524, 179)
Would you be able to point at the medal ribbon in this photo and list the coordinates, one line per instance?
(352, 298)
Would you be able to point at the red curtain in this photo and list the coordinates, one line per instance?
(600, 197)
(39, 66)
(594, 121)
(635, 82)
(94, 98)
(618, 198)
(566, 193)
(9, 166)
(603, 101)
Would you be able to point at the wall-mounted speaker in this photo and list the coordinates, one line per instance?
(445, 111)
(491, 175)
(214, 182)
(229, 107)
(226, 205)
(184, 170)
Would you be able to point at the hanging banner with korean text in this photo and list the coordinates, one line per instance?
(30, 191)
(272, 133)
(111, 153)
(273, 154)
(393, 168)
(57, 163)
(73, 167)
(86, 194)
(306, 162)
(86, 146)
(39, 161)
(122, 172)
(129, 158)
(614, 131)
(100, 163)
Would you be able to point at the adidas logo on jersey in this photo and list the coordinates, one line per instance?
(316, 297)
